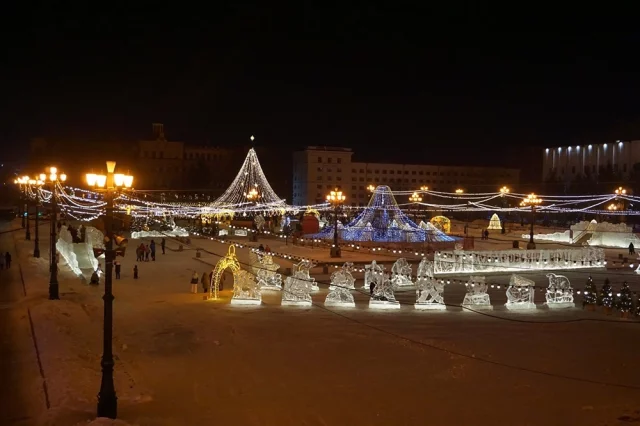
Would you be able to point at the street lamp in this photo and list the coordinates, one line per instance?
(22, 182)
(415, 198)
(459, 191)
(531, 200)
(109, 185)
(424, 188)
(621, 191)
(612, 207)
(504, 190)
(36, 244)
(53, 178)
(336, 199)
(371, 188)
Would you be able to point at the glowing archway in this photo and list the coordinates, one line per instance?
(230, 261)
(442, 223)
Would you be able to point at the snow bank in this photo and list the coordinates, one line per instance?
(175, 232)
(604, 234)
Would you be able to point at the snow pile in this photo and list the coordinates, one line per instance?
(175, 232)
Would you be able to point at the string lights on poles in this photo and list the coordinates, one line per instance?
(336, 199)
(533, 201)
(110, 184)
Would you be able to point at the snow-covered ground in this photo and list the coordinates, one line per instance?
(185, 361)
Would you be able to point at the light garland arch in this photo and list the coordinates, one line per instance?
(229, 261)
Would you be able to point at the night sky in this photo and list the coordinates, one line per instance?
(403, 81)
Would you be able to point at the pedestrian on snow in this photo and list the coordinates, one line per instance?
(204, 282)
(372, 286)
(267, 249)
(152, 246)
(486, 234)
(261, 247)
(632, 249)
(147, 252)
(95, 279)
(118, 266)
(135, 272)
(7, 260)
(140, 252)
(162, 244)
(194, 282)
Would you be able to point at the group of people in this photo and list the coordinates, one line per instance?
(5, 260)
(206, 280)
(143, 252)
(266, 249)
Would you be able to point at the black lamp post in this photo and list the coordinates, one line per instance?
(53, 178)
(27, 235)
(335, 198)
(531, 200)
(36, 242)
(110, 185)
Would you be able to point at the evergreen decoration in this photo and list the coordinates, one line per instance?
(625, 300)
(590, 294)
(607, 294)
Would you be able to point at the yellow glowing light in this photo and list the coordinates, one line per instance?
(415, 198)
(230, 261)
(621, 191)
(531, 200)
(92, 178)
(424, 188)
(371, 188)
(459, 191)
(118, 179)
(504, 190)
(336, 197)
(442, 223)
(43, 176)
(53, 170)
(101, 180)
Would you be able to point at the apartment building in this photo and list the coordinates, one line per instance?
(567, 163)
(318, 170)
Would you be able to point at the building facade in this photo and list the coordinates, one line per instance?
(164, 164)
(598, 162)
(318, 170)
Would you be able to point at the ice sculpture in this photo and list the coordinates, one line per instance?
(298, 287)
(383, 296)
(559, 293)
(303, 267)
(494, 222)
(477, 297)
(466, 261)
(594, 234)
(401, 273)
(428, 289)
(340, 295)
(175, 232)
(520, 293)
(259, 221)
(265, 270)
(246, 290)
(64, 245)
(79, 256)
(372, 274)
(343, 277)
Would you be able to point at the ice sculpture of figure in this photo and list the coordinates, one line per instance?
(341, 283)
(494, 222)
(559, 293)
(259, 221)
(428, 289)
(265, 270)
(477, 296)
(520, 293)
(343, 277)
(401, 273)
(246, 290)
(372, 274)
(383, 296)
(298, 287)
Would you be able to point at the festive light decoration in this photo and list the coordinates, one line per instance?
(477, 296)
(559, 293)
(250, 186)
(606, 295)
(459, 261)
(625, 300)
(590, 293)
(382, 221)
(442, 223)
(520, 293)
(229, 261)
(494, 223)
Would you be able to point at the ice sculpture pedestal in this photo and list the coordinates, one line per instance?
(520, 306)
(304, 303)
(339, 304)
(384, 304)
(245, 302)
(560, 305)
(430, 307)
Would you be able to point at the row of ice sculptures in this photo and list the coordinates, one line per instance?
(297, 288)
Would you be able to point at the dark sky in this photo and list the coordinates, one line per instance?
(410, 84)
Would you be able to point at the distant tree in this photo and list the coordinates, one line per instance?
(625, 300)
(606, 294)
(590, 294)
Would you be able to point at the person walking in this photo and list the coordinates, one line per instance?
(118, 266)
(135, 272)
(632, 249)
(7, 260)
(152, 246)
(147, 252)
(163, 243)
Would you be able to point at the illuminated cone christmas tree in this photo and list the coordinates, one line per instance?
(250, 190)
(625, 300)
(590, 294)
(607, 294)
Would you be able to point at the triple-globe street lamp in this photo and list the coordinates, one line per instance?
(37, 183)
(415, 198)
(336, 199)
(53, 178)
(533, 201)
(110, 184)
(23, 182)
